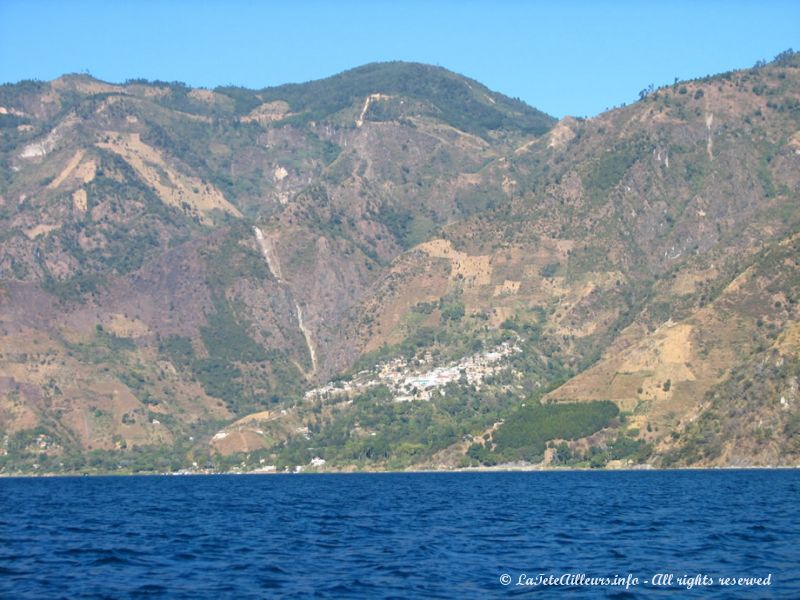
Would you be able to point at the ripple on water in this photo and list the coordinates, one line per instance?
(391, 536)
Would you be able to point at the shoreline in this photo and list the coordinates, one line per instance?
(497, 469)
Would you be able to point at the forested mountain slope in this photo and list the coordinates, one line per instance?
(184, 271)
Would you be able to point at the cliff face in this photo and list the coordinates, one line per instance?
(174, 260)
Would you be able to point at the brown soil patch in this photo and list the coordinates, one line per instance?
(85, 87)
(79, 200)
(449, 135)
(203, 95)
(123, 326)
(38, 230)
(258, 417)
(174, 188)
(267, 112)
(639, 373)
(500, 314)
(86, 171)
(239, 441)
(474, 270)
(507, 288)
(429, 283)
(468, 179)
(73, 162)
(686, 281)
(561, 134)
(789, 341)
(82, 171)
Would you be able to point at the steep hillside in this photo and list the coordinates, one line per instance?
(393, 267)
(173, 258)
(655, 245)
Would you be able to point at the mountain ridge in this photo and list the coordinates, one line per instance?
(175, 260)
(320, 98)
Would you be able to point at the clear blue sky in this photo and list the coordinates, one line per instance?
(568, 57)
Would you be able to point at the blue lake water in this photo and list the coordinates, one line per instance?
(438, 535)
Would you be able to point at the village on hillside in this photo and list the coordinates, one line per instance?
(407, 383)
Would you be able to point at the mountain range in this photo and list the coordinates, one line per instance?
(395, 268)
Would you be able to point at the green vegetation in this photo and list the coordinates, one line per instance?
(622, 448)
(244, 100)
(326, 149)
(742, 410)
(478, 199)
(230, 260)
(72, 289)
(9, 121)
(408, 227)
(114, 343)
(104, 348)
(605, 173)
(526, 431)
(26, 456)
(178, 349)
(378, 431)
(226, 338)
(234, 368)
(549, 270)
(132, 226)
(451, 97)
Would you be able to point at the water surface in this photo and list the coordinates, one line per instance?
(436, 535)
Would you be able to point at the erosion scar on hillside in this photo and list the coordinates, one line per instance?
(274, 266)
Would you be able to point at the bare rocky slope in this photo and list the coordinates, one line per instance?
(397, 267)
